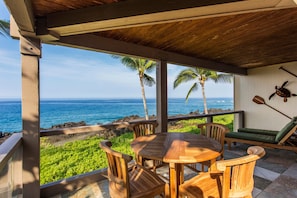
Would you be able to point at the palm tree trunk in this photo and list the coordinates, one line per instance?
(143, 98)
(204, 98)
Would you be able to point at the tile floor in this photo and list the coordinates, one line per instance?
(275, 176)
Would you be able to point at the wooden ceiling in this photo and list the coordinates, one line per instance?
(225, 35)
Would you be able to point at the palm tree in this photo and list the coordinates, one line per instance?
(200, 76)
(141, 66)
(4, 28)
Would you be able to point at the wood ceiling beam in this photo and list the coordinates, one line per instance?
(96, 43)
(22, 13)
(147, 12)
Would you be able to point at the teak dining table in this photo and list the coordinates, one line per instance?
(177, 149)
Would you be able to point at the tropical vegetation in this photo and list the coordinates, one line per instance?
(200, 76)
(60, 160)
(142, 67)
(4, 28)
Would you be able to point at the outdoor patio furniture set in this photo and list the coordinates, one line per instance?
(223, 178)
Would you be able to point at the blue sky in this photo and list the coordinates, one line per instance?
(73, 73)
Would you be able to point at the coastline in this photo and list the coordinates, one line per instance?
(108, 132)
(115, 131)
(101, 111)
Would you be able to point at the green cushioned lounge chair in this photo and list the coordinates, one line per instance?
(286, 138)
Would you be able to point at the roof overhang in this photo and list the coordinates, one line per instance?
(123, 28)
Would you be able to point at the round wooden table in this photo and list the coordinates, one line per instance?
(177, 149)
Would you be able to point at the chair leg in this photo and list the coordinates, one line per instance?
(154, 166)
(139, 160)
(167, 191)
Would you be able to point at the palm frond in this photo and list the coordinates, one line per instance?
(150, 65)
(193, 88)
(130, 63)
(116, 56)
(223, 78)
(4, 28)
(200, 76)
(148, 80)
(141, 66)
(227, 78)
(184, 76)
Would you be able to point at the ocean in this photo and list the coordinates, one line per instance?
(98, 111)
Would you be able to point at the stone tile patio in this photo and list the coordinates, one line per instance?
(275, 176)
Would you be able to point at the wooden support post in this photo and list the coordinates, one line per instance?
(209, 119)
(30, 50)
(162, 97)
(241, 120)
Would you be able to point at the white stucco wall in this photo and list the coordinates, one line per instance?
(262, 82)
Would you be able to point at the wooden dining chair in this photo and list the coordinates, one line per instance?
(215, 131)
(233, 178)
(141, 129)
(144, 128)
(135, 181)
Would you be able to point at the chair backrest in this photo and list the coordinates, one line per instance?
(214, 130)
(238, 173)
(286, 131)
(117, 170)
(134, 181)
(144, 128)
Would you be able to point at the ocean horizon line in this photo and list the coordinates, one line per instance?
(108, 98)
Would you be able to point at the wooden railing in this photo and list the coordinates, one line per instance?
(121, 125)
(209, 117)
(11, 157)
(11, 166)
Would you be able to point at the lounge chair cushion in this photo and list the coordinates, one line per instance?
(258, 131)
(285, 129)
(261, 135)
(251, 136)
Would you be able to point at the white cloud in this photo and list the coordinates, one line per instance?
(66, 73)
(74, 76)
